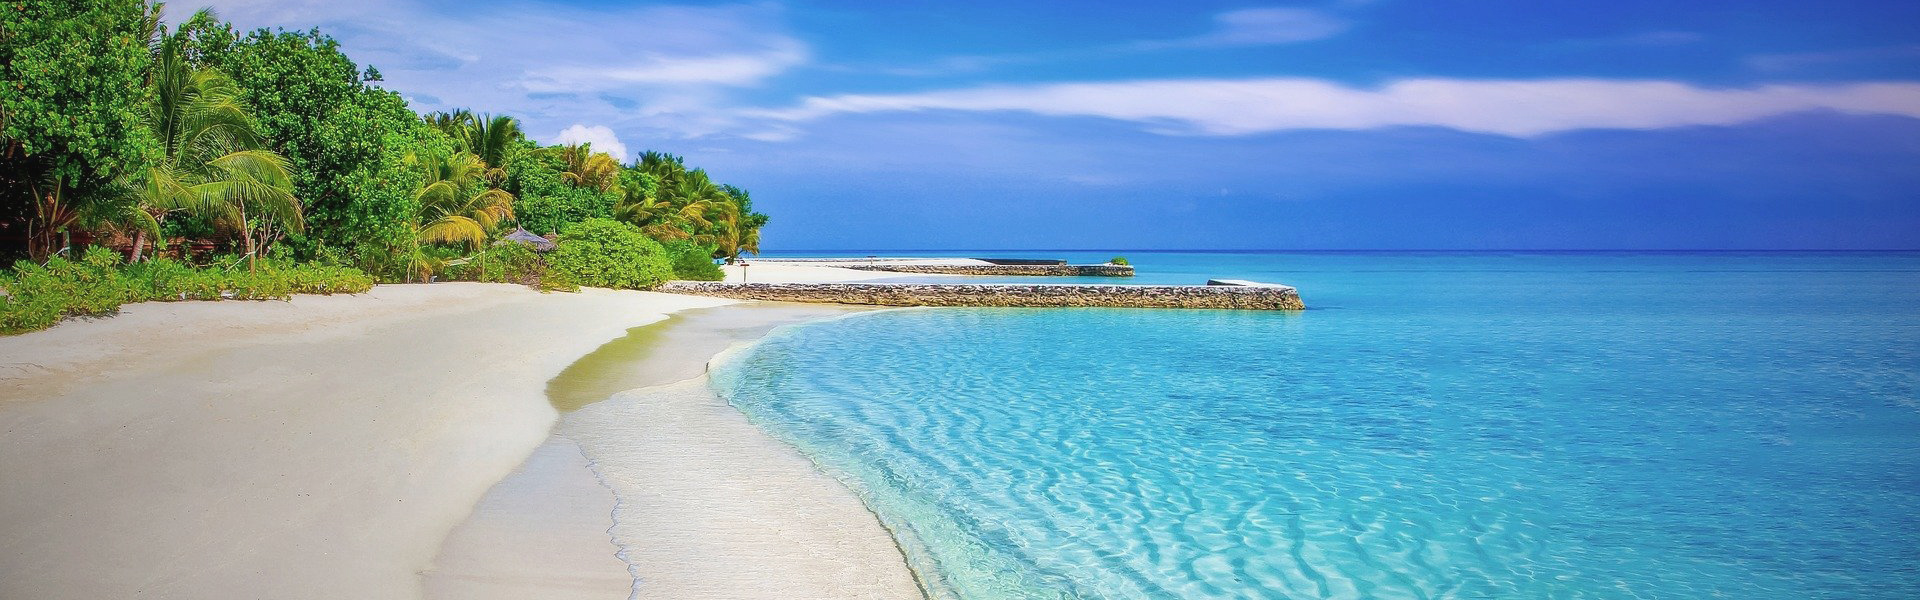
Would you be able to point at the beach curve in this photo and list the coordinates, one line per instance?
(240, 448)
(694, 500)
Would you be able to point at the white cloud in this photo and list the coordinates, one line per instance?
(1519, 108)
(1261, 27)
(1234, 28)
(1810, 60)
(672, 71)
(1645, 39)
(666, 69)
(600, 136)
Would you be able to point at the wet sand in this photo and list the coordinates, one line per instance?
(695, 501)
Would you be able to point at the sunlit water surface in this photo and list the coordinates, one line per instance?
(1437, 426)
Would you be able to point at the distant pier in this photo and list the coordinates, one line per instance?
(1245, 297)
(1060, 270)
(1045, 267)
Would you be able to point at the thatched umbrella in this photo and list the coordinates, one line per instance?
(540, 244)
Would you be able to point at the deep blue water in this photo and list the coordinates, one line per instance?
(1437, 425)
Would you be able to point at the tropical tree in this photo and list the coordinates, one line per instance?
(741, 229)
(735, 236)
(686, 204)
(346, 140)
(214, 162)
(455, 208)
(69, 110)
(588, 169)
(453, 123)
(489, 137)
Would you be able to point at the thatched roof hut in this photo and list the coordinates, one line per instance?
(539, 244)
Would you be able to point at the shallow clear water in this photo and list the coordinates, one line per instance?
(1438, 426)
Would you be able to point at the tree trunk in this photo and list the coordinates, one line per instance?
(139, 243)
(246, 233)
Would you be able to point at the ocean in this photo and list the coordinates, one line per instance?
(1436, 425)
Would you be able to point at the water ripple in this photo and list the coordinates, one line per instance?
(1579, 452)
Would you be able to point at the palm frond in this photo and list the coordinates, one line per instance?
(454, 229)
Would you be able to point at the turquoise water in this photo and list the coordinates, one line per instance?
(1437, 426)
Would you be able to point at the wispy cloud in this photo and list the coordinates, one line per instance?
(1794, 61)
(1645, 39)
(668, 69)
(1248, 27)
(663, 70)
(1258, 27)
(1518, 108)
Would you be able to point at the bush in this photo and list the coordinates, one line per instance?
(36, 297)
(501, 263)
(1118, 260)
(693, 262)
(610, 254)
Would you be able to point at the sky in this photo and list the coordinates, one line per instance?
(1340, 124)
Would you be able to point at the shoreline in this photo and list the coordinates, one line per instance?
(336, 445)
(234, 449)
(594, 489)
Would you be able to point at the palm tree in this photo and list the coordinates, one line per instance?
(214, 162)
(666, 169)
(588, 169)
(489, 137)
(454, 207)
(735, 237)
(453, 123)
(685, 209)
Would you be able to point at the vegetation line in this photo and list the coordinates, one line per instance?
(205, 145)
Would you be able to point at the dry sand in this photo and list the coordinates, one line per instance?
(319, 448)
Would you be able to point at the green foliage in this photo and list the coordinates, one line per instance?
(501, 263)
(36, 296)
(457, 206)
(492, 138)
(110, 124)
(73, 71)
(1118, 260)
(71, 112)
(546, 202)
(213, 162)
(671, 202)
(693, 262)
(610, 254)
(346, 141)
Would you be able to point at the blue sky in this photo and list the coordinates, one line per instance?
(1356, 124)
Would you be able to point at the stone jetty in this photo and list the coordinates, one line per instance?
(1059, 270)
(1247, 297)
(1037, 267)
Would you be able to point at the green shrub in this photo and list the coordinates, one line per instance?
(501, 263)
(162, 277)
(693, 262)
(36, 297)
(610, 254)
(1118, 260)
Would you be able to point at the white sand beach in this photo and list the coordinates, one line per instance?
(326, 448)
